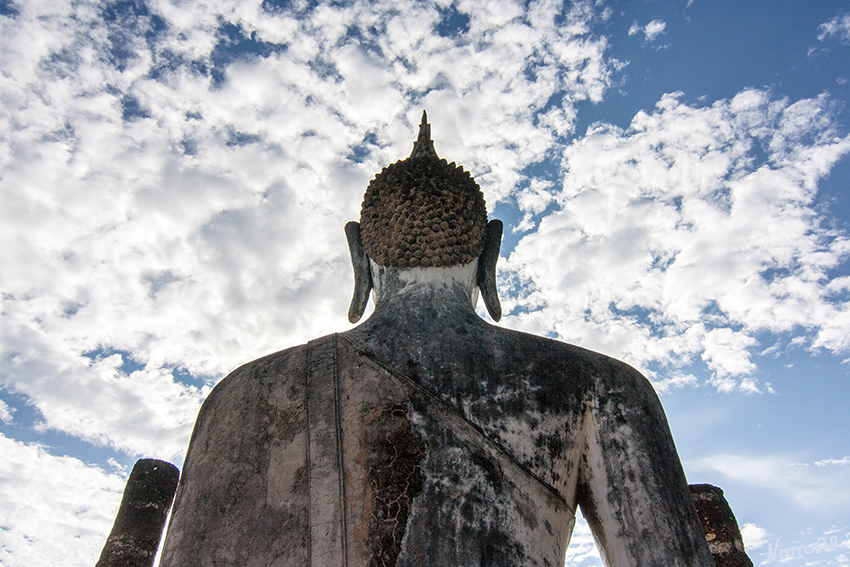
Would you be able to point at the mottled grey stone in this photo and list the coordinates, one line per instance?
(243, 498)
(502, 434)
(486, 278)
(144, 506)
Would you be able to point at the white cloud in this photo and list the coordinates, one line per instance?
(673, 381)
(837, 28)
(697, 245)
(653, 29)
(754, 536)
(142, 413)
(811, 488)
(6, 412)
(650, 31)
(828, 462)
(582, 546)
(727, 352)
(53, 510)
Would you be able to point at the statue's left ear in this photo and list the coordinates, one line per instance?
(486, 279)
(362, 273)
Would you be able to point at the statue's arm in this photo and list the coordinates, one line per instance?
(632, 488)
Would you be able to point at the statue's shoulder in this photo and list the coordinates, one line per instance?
(555, 357)
(279, 368)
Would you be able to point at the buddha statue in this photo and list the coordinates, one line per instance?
(426, 436)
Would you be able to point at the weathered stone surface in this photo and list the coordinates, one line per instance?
(486, 278)
(243, 498)
(420, 484)
(588, 426)
(720, 526)
(362, 272)
(506, 433)
(138, 526)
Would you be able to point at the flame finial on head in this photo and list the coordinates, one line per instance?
(424, 146)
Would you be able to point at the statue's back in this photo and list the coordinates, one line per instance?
(294, 450)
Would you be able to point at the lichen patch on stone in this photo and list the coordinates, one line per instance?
(394, 474)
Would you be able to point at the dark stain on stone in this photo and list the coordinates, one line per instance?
(528, 512)
(554, 445)
(499, 548)
(492, 471)
(394, 474)
(413, 371)
(515, 405)
(300, 481)
(282, 425)
(467, 510)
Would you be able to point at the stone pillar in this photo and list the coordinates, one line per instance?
(721, 528)
(138, 526)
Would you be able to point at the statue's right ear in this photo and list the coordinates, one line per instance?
(486, 279)
(362, 273)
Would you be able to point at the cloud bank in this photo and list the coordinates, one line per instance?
(182, 176)
(67, 511)
(699, 223)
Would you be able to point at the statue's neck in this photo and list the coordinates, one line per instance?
(424, 321)
(429, 296)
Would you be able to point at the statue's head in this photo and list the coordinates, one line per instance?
(424, 213)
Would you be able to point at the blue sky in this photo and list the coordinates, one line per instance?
(175, 178)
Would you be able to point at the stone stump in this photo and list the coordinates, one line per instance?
(721, 529)
(138, 526)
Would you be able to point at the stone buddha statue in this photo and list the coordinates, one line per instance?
(426, 436)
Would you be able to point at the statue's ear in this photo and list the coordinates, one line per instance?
(486, 279)
(362, 273)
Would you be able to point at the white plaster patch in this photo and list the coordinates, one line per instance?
(403, 281)
(285, 462)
